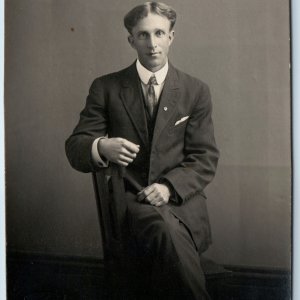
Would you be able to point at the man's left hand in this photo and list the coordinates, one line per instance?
(156, 194)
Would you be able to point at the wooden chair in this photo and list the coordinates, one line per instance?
(109, 192)
(111, 213)
(111, 208)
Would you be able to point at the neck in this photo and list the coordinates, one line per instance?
(153, 69)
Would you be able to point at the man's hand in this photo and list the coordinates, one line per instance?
(118, 150)
(156, 194)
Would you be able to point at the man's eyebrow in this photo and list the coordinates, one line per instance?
(154, 30)
(142, 31)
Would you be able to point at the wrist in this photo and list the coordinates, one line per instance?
(100, 143)
(169, 188)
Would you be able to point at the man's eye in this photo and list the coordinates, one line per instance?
(143, 35)
(160, 33)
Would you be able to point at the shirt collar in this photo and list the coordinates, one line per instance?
(145, 74)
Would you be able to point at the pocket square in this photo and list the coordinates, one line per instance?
(181, 120)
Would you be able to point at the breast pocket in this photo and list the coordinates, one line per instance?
(178, 125)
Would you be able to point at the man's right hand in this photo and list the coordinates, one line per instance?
(118, 150)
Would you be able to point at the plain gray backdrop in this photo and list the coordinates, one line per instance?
(54, 49)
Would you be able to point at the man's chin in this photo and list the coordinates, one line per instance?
(153, 65)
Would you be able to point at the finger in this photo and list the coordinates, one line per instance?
(148, 190)
(153, 201)
(131, 146)
(125, 159)
(127, 153)
(153, 198)
(144, 193)
(140, 197)
(159, 203)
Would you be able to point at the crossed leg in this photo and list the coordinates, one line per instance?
(162, 250)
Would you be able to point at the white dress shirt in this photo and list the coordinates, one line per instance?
(144, 75)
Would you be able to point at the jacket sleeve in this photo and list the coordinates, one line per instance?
(198, 167)
(92, 124)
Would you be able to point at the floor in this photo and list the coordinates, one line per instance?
(31, 279)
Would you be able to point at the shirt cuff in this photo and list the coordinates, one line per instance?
(97, 159)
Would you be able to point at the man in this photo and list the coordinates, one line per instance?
(156, 121)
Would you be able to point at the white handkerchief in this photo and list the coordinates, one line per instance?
(181, 120)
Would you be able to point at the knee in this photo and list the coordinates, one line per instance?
(156, 236)
(148, 227)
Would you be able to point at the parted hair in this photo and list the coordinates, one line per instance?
(141, 11)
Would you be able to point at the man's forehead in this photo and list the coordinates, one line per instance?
(153, 20)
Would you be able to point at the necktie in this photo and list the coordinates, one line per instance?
(151, 98)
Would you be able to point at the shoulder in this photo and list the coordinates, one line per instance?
(193, 89)
(113, 79)
(190, 82)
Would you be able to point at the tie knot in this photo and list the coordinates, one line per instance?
(152, 80)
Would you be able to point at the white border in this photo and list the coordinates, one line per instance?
(295, 17)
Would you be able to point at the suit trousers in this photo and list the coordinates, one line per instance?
(164, 257)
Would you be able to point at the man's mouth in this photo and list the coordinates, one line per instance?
(153, 53)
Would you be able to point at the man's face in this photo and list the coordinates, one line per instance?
(151, 38)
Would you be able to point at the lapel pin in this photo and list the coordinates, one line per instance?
(165, 108)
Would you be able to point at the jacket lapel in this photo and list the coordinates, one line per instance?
(131, 96)
(167, 102)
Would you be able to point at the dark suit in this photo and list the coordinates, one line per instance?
(184, 155)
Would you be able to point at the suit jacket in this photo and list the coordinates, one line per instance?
(184, 154)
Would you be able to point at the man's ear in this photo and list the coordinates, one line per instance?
(171, 36)
(131, 41)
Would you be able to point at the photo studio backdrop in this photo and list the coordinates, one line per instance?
(54, 50)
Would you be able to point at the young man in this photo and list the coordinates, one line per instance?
(156, 121)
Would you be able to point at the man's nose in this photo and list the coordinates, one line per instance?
(152, 43)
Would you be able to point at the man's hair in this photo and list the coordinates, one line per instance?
(141, 11)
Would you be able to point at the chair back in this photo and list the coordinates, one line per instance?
(110, 192)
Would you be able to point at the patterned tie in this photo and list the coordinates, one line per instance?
(151, 99)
